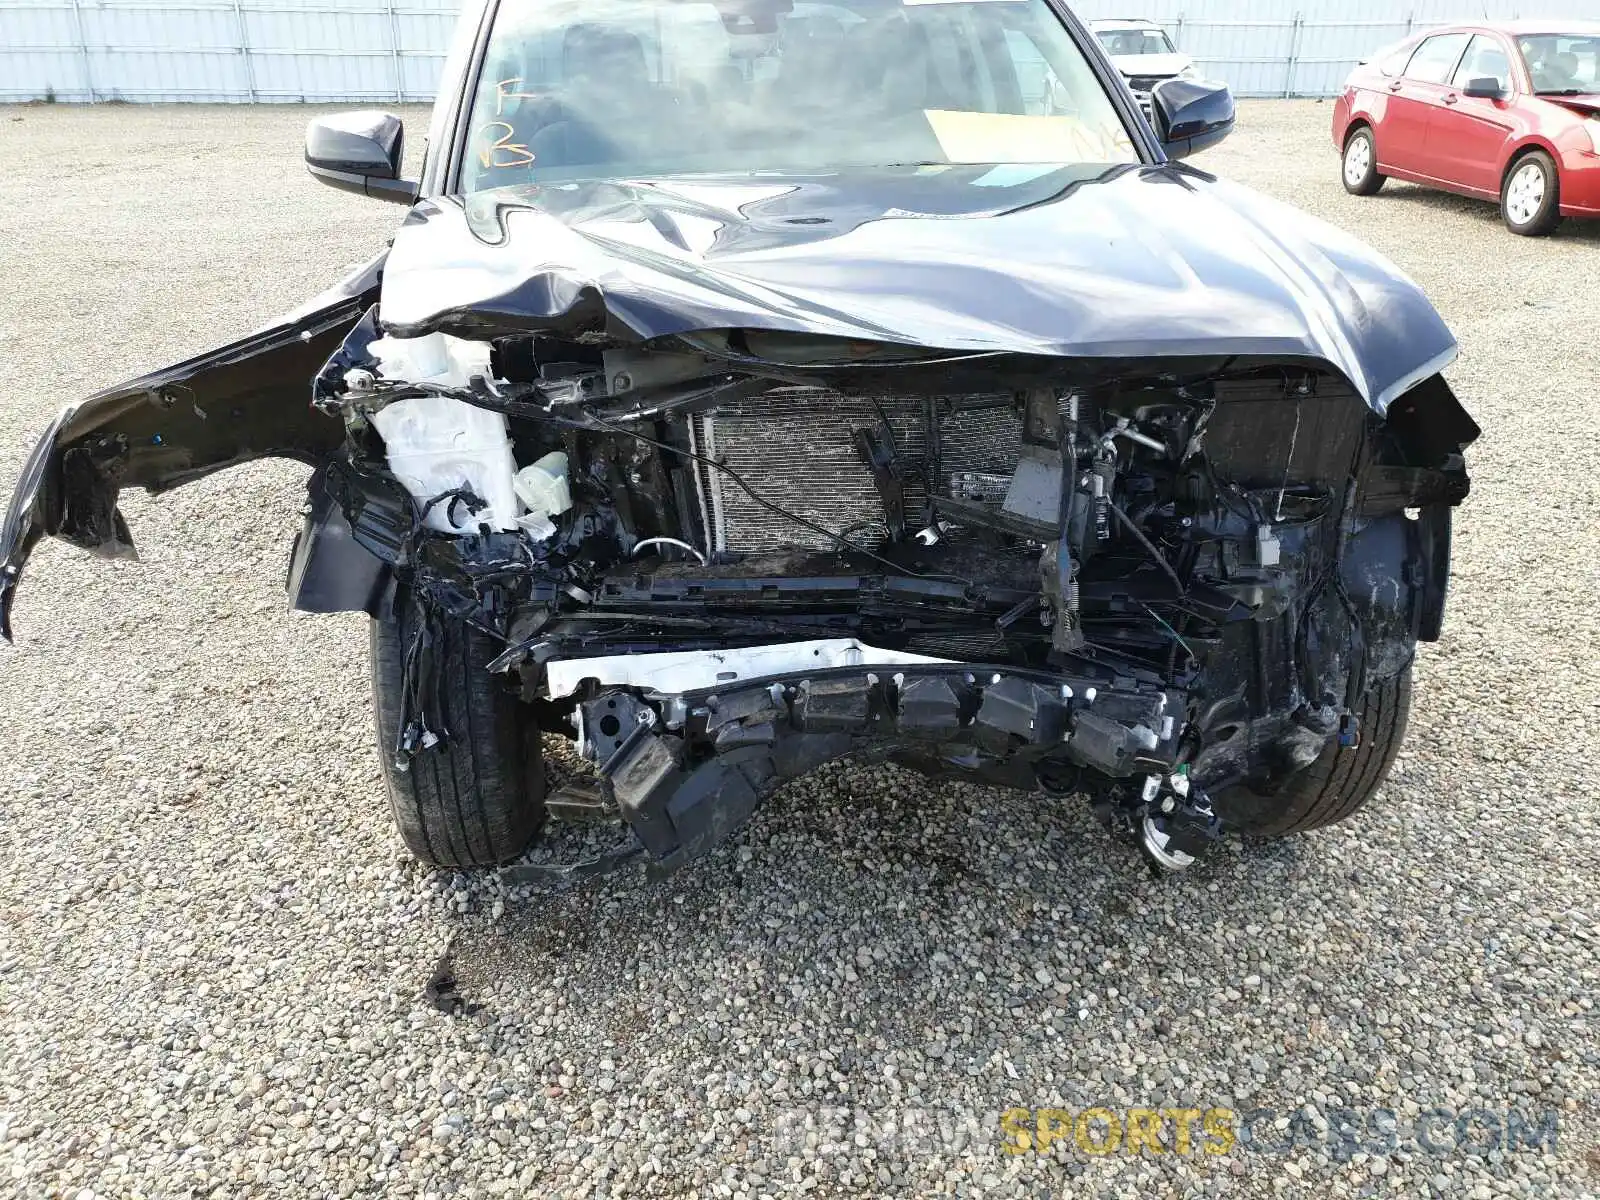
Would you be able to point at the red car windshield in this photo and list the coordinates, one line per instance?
(611, 89)
(1562, 64)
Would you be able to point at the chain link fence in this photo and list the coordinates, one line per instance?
(375, 51)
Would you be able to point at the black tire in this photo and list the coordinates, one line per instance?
(476, 799)
(1358, 163)
(1540, 219)
(1339, 783)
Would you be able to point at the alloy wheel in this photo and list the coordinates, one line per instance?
(1525, 194)
(1357, 160)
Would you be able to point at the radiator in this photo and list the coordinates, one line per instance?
(796, 448)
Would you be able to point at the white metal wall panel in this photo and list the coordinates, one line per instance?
(376, 50)
(223, 50)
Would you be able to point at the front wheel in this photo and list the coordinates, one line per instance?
(477, 798)
(1361, 176)
(1530, 200)
(1339, 783)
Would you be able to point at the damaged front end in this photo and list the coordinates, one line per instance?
(721, 559)
(1049, 490)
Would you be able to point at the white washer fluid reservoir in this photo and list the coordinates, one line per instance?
(437, 444)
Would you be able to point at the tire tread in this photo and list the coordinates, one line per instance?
(1340, 782)
(1375, 179)
(477, 799)
(1545, 222)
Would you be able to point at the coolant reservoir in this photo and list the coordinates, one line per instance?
(437, 444)
(544, 489)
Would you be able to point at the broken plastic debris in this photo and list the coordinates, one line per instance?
(537, 526)
(1267, 546)
(543, 489)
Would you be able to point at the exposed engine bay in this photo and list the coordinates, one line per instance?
(722, 562)
(1091, 473)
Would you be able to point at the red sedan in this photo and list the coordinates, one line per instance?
(1508, 112)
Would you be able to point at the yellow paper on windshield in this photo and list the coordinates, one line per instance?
(974, 137)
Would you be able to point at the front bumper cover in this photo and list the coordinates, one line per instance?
(239, 402)
(39, 508)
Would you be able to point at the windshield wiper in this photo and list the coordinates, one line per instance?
(1578, 91)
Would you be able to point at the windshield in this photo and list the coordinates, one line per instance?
(1127, 42)
(1562, 64)
(627, 88)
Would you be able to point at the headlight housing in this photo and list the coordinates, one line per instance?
(1189, 72)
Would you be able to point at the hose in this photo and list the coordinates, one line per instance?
(1150, 547)
(669, 541)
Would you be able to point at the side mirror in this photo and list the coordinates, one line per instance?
(1485, 87)
(1191, 115)
(360, 152)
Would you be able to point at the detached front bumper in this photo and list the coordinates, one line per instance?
(231, 405)
(23, 525)
(689, 744)
(61, 495)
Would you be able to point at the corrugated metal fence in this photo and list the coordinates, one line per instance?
(390, 50)
(223, 50)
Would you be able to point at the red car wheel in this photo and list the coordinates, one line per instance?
(1361, 177)
(1530, 198)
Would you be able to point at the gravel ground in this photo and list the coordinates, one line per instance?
(213, 955)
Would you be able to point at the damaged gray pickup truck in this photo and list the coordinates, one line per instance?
(753, 383)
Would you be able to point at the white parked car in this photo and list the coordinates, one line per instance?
(1145, 55)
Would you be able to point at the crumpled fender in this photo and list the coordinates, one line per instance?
(246, 400)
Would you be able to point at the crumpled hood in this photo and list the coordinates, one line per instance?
(1132, 262)
(1149, 65)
